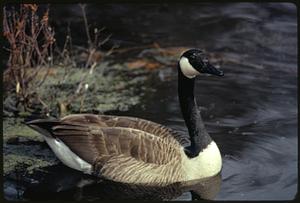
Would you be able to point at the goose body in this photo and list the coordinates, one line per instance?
(134, 150)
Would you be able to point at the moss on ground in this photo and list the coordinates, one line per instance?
(106, 89)
(23, 148)
(110, 88)
(14, 129)
(24, 163)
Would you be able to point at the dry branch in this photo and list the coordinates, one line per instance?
(30, 39)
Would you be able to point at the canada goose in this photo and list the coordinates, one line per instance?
(134, 150)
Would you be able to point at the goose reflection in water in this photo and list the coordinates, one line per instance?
(73, 185)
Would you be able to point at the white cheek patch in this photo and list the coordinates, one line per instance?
(187, 69)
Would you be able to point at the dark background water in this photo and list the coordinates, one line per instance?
(251, 113)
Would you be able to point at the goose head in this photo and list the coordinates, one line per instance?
(194, 62)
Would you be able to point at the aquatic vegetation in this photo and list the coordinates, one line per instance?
(23, 148)
(110, 90)
(14, 129)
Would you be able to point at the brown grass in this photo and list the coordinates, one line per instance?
(30, 40)
(31, 45)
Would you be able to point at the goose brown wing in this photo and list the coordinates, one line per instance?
(129, 122)
(114, 151)
(99, 144)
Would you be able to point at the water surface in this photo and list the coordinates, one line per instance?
(251, 113)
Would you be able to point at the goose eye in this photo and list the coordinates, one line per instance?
(205, 61)
(194, 56)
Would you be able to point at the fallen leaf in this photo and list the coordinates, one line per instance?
(136, 64)
(153, 65)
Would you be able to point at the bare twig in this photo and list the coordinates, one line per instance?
(82, 6)
(26, 50)
(93, 45)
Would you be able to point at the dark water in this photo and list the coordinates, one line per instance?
(251, 113)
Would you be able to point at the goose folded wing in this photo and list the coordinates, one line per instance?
(129, 122)
(99, 144)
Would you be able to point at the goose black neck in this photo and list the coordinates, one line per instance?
(198, 135)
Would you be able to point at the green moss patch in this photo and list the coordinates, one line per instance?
(107, 88)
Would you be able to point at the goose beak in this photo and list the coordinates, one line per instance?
(210, 69)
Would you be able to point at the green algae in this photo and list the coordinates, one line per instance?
(24, 164)
(110, 88)
(106, 89)
(15, 128)
(23, 148)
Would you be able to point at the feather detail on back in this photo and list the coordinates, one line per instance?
(128, 122)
